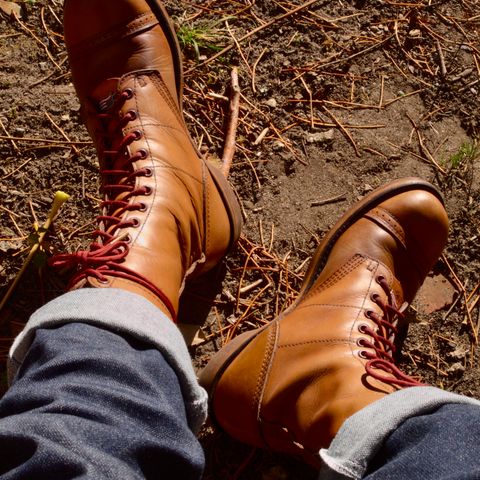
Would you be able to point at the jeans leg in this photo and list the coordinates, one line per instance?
(442, 445)
(364, 434)
(92, 404)
(127, 314)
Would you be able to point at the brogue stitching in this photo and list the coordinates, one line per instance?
(388, 221)
(330, 342)
(299, 307)
(340, 273)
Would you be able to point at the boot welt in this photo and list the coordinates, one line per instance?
(211, 374)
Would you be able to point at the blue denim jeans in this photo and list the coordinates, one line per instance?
(90, 404)
(103, 388)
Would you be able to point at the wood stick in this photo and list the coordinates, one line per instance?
(230, 138)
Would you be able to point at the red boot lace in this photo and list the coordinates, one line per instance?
(383, 340)
(108, 251)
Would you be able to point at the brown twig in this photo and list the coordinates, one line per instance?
(326, 201)
(254, 69)
(441, 59)
(461, 287)
(344, 130)
(47, 51)
(230, 138)
(310, 96)
(64, 135)
(44, 140)
(8, 175)
(14, 145)
(424, 149)
(239, 48)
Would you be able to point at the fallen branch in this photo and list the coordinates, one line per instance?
(230, 138)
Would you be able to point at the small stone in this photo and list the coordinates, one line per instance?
(414, 33)
(10, 242)
(321, 137)
(457, 354)
(65, 117)
(435, 294)
(271, 102)
(367, 188)
(19, 132)
(456, 370)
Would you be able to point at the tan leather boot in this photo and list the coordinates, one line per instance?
(166, 213)
(290, 385)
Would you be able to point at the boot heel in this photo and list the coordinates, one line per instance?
(230, 201)
(210, 375)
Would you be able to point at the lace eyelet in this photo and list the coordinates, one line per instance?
(380, 279)
(128, 239)
(148, 191)
(148, 172)
(361, 342)
(135, 222)
(368, 313)
(143, 153)
(133, 115)
(138, 134)
(362, 328)
(128, 93)
(143, 207)
(363, 354)
(103, 281)
(374, 297)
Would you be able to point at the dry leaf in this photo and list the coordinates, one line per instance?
(10, 8)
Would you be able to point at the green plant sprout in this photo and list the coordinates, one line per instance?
(468, 152)
(206, 35)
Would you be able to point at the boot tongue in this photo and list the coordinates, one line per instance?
(104, 94)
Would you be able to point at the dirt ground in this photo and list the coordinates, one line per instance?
(337, 99)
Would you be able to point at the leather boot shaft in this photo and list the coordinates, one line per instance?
(290, 386)
(166, 213)
(107, 39)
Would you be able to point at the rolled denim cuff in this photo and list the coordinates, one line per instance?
(363, 434)
(124, 313)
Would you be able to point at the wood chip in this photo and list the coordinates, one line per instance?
(10, 8)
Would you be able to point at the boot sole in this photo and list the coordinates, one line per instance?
(211, 374)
